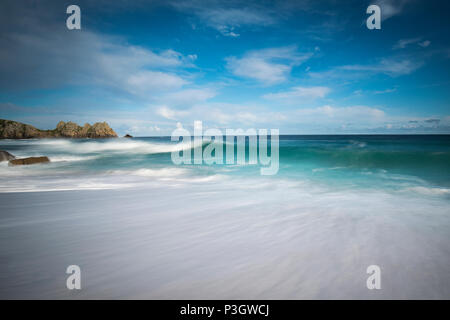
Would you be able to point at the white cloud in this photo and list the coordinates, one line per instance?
(259, 69)
(144, 82)
(299, 93)
(42, 54)
(269, 66)
(222, 114)
(144, 130)
(134, 56)
(107, 63)
(390, 8)
(352, 113)
(171, 114)
(138, 70)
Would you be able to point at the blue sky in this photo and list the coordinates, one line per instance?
(305, 67)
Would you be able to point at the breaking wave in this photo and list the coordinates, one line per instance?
(113, 146)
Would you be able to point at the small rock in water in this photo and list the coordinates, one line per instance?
(27, 161)
(128, 136)
(6, 156)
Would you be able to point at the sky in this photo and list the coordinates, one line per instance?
(303, 67)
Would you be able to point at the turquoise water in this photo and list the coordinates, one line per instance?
(364, 161)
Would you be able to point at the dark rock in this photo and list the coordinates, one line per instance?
(6, 156)
(27, 161)
(128, 136)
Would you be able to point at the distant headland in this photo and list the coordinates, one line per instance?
(16, 130)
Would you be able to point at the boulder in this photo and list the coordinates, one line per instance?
(128, 136)
(6, 156)
(27, 161)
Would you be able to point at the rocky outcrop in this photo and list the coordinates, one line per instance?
(72, 130)
(6, 156)
(16, 130)
(27, 161)
(69, 129)
(128, 136)
(99, 130)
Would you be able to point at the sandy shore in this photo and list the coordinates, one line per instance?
(188, 242)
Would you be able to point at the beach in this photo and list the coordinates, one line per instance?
(140, 227)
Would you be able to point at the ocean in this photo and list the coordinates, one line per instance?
(140, 226)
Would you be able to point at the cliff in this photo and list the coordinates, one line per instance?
(16, 130)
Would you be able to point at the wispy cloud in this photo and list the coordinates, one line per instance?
(425, 43)
(170, 113)
(144, 82)
(385, 91)
(326, 117)
(390, 8)
(187, 97)
(222, 114)
(403, 43)
(227, 16)
(268, 66)
(342, 114)
(393, 67)
(298, 94)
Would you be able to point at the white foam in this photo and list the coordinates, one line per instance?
(68, 158)
(325, 169)
(66, 187)
(164, 172)
(115, 146)
(430, 190)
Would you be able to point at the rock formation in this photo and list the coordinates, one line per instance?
(72, 130)
(128, 136)
(16, 130)
(6, 156)
(27, 161)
